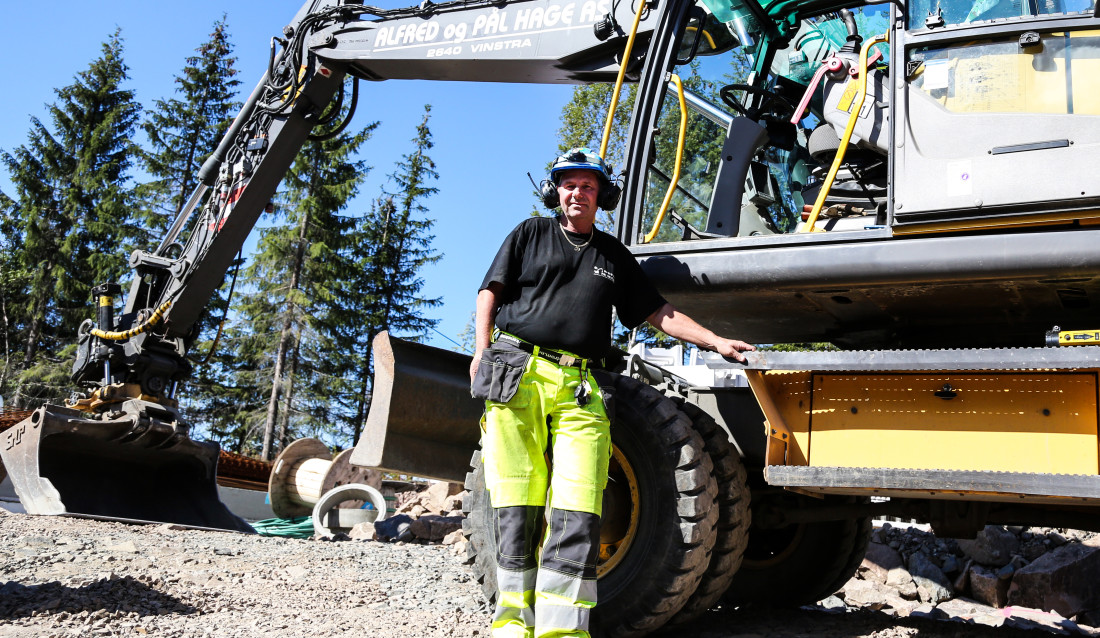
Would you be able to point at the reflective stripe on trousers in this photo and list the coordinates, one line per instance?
(560, 590)
(556, 599)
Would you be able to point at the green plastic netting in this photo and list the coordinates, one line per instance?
(298, 527)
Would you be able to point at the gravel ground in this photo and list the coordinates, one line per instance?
(68, 577)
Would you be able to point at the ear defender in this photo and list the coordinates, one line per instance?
(609, 196)
(581, 158)
(549, 194)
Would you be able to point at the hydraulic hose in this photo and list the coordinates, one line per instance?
(153, 320)
(209, 171)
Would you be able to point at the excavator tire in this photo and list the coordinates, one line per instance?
(734, 515)
(799, 564)
(667, 522)
(477, 527)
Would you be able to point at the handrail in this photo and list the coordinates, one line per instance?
(708, 36)
(619, 79)
(701, 106)
(857, 106)
(675, 79)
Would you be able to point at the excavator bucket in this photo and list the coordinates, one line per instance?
(8, 418)
(422, 420)
(128, 466)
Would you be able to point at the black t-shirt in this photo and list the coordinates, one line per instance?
(560, 298)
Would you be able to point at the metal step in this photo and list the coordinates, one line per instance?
(969, 484)
(1053, 358)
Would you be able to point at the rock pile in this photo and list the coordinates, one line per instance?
(1006, 576)
(432, 513)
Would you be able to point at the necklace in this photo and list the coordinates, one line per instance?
(577, 247)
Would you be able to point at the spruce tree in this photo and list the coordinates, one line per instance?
(290, 285)
(225, 398)
(72, 213)
(396, 244)
(13, 284)
(183, 131)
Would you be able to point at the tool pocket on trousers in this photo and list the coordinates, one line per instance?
(498, 374)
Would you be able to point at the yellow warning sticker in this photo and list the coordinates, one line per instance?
(845, 103)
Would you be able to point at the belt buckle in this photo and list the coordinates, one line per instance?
(567, 360)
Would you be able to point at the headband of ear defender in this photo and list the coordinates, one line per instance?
(585, 159)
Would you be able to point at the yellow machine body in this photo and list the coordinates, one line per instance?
(995, 422)
(932, 424)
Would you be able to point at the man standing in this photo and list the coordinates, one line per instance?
(550, 292)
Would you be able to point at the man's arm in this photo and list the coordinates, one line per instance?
(676, 324)
(487, 304)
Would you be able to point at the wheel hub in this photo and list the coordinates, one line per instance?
(619, 523)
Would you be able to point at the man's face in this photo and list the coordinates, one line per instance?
(578, 190)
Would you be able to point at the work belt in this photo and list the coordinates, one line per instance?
(561, 358)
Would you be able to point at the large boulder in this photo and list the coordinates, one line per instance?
(987, 586)
(994, 546)
(933, 586)
(868, 594)
(363, 532)
(437, 499)
(901, 580)
(963, 609)
(458, 542)
(1063, 580)
(878, 562)
(394, 528)
(434, 528)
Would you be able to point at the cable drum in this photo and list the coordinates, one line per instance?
(306, 471)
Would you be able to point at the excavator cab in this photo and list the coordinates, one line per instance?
(801, 185)
(761, 131)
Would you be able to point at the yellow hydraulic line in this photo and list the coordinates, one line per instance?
(679, 158)
(857, 106)
(619, 80)
(153, 320)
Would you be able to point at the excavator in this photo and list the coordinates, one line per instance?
(910, 181)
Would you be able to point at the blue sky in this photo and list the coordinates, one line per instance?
(487, 135)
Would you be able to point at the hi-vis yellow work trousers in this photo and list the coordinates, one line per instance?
(553, 596)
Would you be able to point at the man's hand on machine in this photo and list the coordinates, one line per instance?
(733, 348)
(676, 324)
